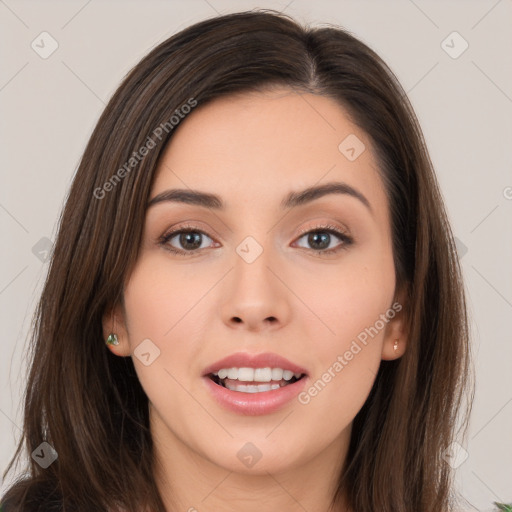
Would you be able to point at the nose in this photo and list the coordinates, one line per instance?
(255, 297)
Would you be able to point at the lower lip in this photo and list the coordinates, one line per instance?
(254, 404)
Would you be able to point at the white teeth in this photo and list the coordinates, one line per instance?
(287, 375)
(246, 374)
(277, 373)
(262, 375)
(251, 388)
(232, 373)
(266, 374)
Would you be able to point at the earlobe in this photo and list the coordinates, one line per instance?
(112, 339)
(398, 348)
(393, 349)
(114, 332)
(395, 339)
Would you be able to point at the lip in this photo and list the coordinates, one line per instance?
(253, 404)
(245, 360)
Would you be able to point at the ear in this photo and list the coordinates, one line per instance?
(395, 334)
(114, 322)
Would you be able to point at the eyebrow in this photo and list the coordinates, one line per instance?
(292, 200)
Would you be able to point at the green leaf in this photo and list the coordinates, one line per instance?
(504, 506)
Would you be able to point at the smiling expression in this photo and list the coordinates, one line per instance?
(284, 249)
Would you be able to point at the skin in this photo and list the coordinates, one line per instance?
(252, 150)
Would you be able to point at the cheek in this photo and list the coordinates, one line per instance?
(346, 298)
(159, 299)
(159, 305)
(349, 321)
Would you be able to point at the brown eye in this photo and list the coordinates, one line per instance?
(320, 239)
(188, 241)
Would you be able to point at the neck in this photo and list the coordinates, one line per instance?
(190, 482)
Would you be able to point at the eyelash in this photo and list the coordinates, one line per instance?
(324, 228)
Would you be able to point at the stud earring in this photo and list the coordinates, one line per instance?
(112, 339)
(395, 346)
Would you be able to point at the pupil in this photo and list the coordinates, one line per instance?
(313, 238)
(186, 237)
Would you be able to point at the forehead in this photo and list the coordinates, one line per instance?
(259, 146)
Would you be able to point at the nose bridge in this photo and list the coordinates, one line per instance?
(254, 251)
(254, 296)
(251, 274)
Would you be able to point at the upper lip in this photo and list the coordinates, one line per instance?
(245, 360)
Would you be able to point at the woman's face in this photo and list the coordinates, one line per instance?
(262, 272)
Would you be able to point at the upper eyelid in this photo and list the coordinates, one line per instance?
(185, 227)
(327, 226)
(343, 234)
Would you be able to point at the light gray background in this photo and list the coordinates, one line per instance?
(49, 107)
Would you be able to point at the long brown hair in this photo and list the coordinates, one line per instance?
(89, 405)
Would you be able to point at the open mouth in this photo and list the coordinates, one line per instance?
(254, 380)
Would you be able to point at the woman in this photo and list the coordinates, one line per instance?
(257, 234)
